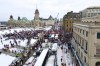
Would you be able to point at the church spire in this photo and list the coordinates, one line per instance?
(36, 14)
(36, 11)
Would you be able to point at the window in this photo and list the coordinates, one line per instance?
(84, 59)
(98, 35)
(80, 40)
(86, 45)
(86, 33)
(88, 14)
(98, 51)
(79, 51)
(80, 30)
(83, 32)
(82, 43)
(81, 55)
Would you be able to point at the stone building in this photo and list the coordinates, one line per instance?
(86, 41)
(3, 25)
(90, 12)
(68, 20)
(36, 22)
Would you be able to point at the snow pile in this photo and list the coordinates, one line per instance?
(33, 42)
(5, 60)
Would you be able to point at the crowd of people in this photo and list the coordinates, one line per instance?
(12, 42)
(29, 34)
(22, 35)
(28, 52)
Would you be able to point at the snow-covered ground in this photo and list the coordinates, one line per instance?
(5, 60)
(66, 57)
(50, 61)
(13, 30)
(30, 61)
(5, 41)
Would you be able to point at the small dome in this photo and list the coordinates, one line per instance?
(19, 18)
(11, 17)
(25, 19)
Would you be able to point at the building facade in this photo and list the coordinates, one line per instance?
(86, 40)
(49, 21)
(90, 12)
(36, 22)
(3, 25)
(68, 20)
(24, 22)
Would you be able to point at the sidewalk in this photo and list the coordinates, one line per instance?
(66, 57)
(69, 59)
(59, 54)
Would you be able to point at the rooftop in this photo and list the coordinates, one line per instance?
(93, 7)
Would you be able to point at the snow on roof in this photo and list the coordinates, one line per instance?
(40, 60)
(33, 41)
(5, 60)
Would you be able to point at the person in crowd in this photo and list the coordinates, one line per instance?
(61, 59)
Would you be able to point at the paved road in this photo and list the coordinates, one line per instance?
(66, 57)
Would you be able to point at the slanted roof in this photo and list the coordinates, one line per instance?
(50, 18)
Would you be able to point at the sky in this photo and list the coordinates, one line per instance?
(26, 8)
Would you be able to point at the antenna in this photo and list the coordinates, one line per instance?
(36, 6)
(57, 15)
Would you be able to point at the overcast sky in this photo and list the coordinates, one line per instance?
(26, 8)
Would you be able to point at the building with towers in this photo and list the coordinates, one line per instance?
(36, 22)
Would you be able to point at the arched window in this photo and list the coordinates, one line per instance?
(97, 64)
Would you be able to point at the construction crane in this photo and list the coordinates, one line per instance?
(56, 21)
(57, 15)
(57, 18)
